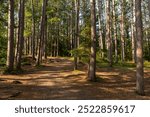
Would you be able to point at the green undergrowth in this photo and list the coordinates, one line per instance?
(39, 66)
(13, 72)
(147, 65)
(125, 65)
(102, 63)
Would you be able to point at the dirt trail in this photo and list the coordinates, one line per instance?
(57, 80)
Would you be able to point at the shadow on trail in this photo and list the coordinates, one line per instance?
(59, 81)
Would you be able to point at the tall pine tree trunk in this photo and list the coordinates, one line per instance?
(115, 30)
(99, 2)
(133, 30)
(10, 46)
(122, 31)
(20, 34)
(39, 56)
(33, 31)
(76, 43)
(92, 64)
(149, 7)
(139, 50)
(108, 32)
(149, 31)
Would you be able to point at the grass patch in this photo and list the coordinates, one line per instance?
(39, 66)
(125, 65)
(147, 64)
(102, 64)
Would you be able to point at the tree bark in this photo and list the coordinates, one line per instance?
(133, 30)
(115, 30)
(108, 31)
(149, 32)
(10, 46)
(122, 31)
(92, 64)
(99, 2)
(76, 44)
(20, 34)
(33, 31)
(39, 56)
(139, 50)
(45, 39)
(149, 7)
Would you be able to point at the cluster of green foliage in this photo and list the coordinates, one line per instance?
(58, 12)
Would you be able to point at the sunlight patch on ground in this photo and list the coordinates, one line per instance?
(108, 73)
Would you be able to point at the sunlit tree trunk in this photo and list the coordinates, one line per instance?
(139, 50)
(92, 64)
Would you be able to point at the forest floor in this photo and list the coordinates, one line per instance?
(56, 79)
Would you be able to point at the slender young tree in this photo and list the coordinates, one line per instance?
(10, 47)
(76, 44)
(92, 64)
(33, 30)
(72, 22)
(139, 49)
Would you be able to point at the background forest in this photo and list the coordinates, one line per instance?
(94, 33)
